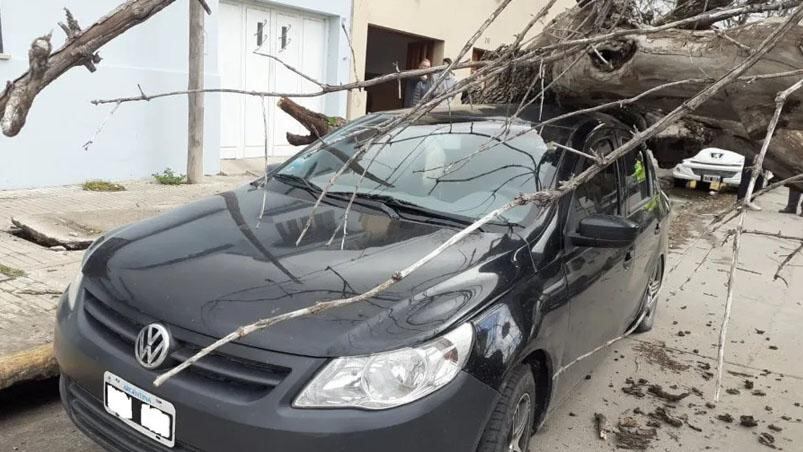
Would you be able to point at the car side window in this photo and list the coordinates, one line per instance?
(600, 195)
(637, 179)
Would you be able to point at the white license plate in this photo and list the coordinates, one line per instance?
(140, 410)
(710, 178)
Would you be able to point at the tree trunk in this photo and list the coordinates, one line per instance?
(628, 66)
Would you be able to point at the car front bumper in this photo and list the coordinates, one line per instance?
(451, 419)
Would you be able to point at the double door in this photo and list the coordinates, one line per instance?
(247, 33)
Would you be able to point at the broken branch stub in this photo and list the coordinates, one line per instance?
(317, 124)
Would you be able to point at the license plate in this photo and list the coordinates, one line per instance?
(140, 410)
(711, 178)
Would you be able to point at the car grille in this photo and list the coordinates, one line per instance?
(721, 173)
(89, 415)
(217, 375)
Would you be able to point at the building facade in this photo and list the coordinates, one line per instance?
(391, 33)
(143, 138)
(147, 137)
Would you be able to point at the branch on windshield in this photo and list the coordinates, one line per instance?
(544, 198)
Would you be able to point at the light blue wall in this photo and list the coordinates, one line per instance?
(141, 138)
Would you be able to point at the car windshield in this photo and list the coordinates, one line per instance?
(462, 169)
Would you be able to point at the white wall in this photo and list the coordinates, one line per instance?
(141, 138)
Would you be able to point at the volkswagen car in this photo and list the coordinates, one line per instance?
(467, 353)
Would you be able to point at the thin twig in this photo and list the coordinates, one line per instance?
(788, 259)
(543, 198)
(100, 128)
(353, 54)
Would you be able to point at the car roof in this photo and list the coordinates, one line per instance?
(559, 131)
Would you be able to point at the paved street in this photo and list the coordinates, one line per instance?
(763, 378)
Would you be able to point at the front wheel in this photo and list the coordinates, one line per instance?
(511, 424)
(651, 295)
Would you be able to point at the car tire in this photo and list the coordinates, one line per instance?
(651, 295)
(511, 424)
(679, 183)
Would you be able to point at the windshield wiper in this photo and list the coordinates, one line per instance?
(402, 206)
(297, 181)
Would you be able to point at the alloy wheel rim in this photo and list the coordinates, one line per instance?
(520, 419)
(653, 287)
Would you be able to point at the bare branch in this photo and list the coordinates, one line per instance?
(542, 198)
(78, 50)
(780, 101)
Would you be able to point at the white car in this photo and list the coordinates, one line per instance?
(711, 165)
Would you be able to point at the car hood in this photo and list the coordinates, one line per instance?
(213, 266)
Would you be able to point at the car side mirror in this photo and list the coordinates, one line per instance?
(605, 231)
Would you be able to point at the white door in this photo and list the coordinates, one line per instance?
(295, 38)
(300, 43)
(257, 78)
(230, 59)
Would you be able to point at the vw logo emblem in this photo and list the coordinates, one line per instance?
(152, 346)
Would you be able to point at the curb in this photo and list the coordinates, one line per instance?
(36, 363)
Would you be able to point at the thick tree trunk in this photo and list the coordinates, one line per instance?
(628, 66)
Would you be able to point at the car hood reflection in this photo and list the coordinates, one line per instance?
(213, 266)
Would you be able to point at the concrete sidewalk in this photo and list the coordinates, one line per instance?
(763, 375)
(32, 277)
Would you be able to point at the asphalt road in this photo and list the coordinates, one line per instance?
(32, 420)
(763, 375)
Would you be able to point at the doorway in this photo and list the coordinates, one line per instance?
(388, 49)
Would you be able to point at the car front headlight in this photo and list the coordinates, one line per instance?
(73, 288)
(389, 379)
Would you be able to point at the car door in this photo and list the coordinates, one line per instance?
(596, 277)
(641, 206)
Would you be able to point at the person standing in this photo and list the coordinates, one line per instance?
(420, 87)
(747, 173)
(448, 84)
(794, 200)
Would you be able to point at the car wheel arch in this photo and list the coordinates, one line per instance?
(540, 364)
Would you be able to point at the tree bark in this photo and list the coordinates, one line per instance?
(318, 124)
(80, 49)
(628, 66)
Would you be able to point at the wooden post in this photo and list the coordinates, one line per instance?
(195, 101)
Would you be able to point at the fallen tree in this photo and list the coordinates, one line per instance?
(618, 55)
(695, 75)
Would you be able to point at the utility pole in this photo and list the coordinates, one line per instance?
(195, 101)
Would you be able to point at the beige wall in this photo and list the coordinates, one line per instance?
(450, 21)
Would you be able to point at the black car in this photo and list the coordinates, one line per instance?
(465, 354)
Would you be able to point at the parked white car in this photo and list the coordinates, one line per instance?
(711, 165)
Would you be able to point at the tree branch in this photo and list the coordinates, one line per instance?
(78, 50)
(543, 198)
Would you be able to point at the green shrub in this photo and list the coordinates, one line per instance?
(102, 185)
(168, 177)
